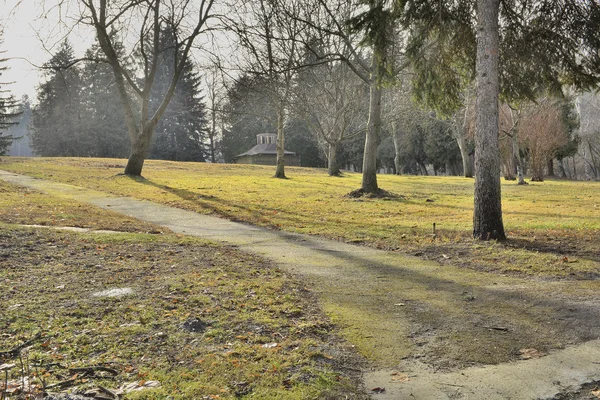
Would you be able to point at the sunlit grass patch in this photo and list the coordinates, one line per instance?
(544, 220)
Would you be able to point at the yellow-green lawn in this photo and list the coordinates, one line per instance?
(552, 226)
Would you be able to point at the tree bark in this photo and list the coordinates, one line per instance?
(369, 175)
(280, 169)
(139, 151)
(397, 165)
(464, 153)
(487, 216)
(333, 168)
(550, 167)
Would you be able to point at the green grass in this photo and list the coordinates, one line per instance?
(49, 278)
(545, 222)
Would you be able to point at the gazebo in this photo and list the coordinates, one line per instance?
(265, 152)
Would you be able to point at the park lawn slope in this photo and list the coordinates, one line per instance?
(552, 226)
(200, 320)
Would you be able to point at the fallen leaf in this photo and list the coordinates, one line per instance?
(527, 354)
(378, 390)
(400, 377)
(596, 393)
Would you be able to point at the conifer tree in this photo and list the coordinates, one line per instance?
(9, 107)
(181, 132)
(57, 118)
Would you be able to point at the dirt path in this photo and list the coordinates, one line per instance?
(428, 329)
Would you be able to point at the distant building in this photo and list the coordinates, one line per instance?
(265, 152)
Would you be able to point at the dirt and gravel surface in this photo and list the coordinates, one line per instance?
(415, 319)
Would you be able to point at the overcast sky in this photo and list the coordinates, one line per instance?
(30, 33)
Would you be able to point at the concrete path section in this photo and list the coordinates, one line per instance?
(356, 276)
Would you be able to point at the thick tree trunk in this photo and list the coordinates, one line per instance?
(369, 174)
(333, 168)
(139, 151)
(487, 216)
(280, 170)
(550, 167)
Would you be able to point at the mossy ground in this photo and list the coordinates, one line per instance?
(261, 333)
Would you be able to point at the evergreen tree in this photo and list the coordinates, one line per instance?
(57, 119)
(104, 124)
(9, 108)
(181, 132)
(247, 113)
(20, 131)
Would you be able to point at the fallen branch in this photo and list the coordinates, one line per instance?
(93, 368)
(63, 384)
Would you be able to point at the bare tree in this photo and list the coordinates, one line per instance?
(270, 33)
(330, 98)
(215, 106)
(543, 132)
(144, 20)
(588, 110)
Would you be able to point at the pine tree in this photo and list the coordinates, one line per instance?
(104, 124)
(57, 119)
(181, 133)
(247, 113)
(9, 107)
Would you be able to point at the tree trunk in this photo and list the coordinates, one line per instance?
(280, 170)
(369, 174)
(561, 168)
(139, 151)
(487, 216)
(550, 167)
(464, 153)
(213, 133)
(332, 165)
(518, 161)
(397, 164)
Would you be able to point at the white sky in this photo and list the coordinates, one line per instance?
(32, 33)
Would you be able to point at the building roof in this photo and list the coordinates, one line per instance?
(267, 148)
